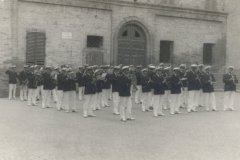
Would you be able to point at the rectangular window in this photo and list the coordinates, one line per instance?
(94, 41)
(166, 51)
(207, 53)
(35, 48)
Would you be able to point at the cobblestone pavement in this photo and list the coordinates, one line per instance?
(32, 133)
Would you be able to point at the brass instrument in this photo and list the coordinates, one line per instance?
(233, 78)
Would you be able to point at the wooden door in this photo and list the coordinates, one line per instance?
(131, 45)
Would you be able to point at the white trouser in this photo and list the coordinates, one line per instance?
(80, 93)
(54, 93)
(151, 98)
(146, 100)
(157, 104)
(12, 91)
(201, 101)
(115, 98)
(40, 91)
(229, 98)
(167, 99)
(99, 100)
(110, 93)
(59, 99)
(70, 100)
(210, 101)
(175, 103)
(191, 98)
(105, 97)
(32, 96)
(197, 98)
(46, 98)
(23, 92)
(88, 104)
(138, 94)
(184, 97)
(125, 108)
(94, 102)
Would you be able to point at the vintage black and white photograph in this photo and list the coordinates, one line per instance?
(119, 79)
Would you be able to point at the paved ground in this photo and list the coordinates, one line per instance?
(31, 133)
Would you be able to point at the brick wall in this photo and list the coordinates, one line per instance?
(5, 43)
(56, 19)
(82, 18)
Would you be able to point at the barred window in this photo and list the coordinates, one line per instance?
(35, 48)
(94, 41)
(207, 53)
(166, 51)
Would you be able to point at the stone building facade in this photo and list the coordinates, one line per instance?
(116, 31)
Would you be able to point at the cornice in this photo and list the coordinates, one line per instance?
(160, 10)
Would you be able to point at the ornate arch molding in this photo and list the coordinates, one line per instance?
(147, 30)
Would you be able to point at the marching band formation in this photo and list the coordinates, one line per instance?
(156, 88)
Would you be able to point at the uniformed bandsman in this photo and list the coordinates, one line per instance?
(99, 85)
(89, 92)
(230, 80)
(158, 87)
(184, 94)
(32, 87)
(193, 88)
(23, 80)
(138, 94)
(39, 83)
(167, 88)
(146, 90)
(208, 80)
(106, 87)
(125, 95)
(13, 79)
(200, 97)
(175, 82)
(115, 90)
(48, 86)
(70, 91)
(80, 83)
(151, 72)
(61, 77)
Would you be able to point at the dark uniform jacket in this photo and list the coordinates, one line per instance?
(229, 84)
(206, 80)
(61, 78)
(199, 84)
(158, 85)
(167, 85)
(39, 79)
(146, 84)
(175, 84)
(107, 82)
(90, 84)
(32, 81)
(184, 82)
(49, 82)
(114, 83)
(138, 77)
(69, 84)
(22, 77)
(80, 79)
(12, 76)
(124, 86)
(193, 82)
(99, 84)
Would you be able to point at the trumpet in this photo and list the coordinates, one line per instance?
(233, 78)
(211, 81)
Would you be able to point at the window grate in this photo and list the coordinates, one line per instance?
(35, 48)
(94, 41)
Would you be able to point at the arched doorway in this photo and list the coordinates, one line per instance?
(131, 45)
